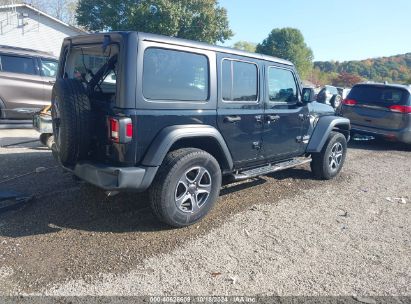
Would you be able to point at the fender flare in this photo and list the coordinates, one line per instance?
(323, 129)
(170, 135)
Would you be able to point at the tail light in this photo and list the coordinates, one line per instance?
(400, 109)
(349, 102)
(120, 129)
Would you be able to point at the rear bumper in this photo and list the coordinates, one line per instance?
(115, 178)
(404, 135)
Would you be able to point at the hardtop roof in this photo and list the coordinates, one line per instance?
(180, 42)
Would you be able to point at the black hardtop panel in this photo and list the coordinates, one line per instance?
(99, 38)
(208, 47)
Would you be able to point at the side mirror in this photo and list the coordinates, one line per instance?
(308, 95)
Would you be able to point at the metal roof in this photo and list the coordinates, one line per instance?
(179, 42)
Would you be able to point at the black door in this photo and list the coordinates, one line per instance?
(284, 115)
(240, 110)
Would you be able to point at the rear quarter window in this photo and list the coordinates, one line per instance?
(384, 96)
(172, 75)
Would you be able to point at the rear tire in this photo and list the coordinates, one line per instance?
(186, 187)
(328, 163)
(44, 137)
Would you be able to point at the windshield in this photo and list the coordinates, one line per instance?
(49, 67)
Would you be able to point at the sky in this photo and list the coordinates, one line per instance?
(335, 30)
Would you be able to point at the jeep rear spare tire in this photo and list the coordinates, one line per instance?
(186, 187)
(71, 113)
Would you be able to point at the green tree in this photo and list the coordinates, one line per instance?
(245, 46)
(288, 43)
(201, 20)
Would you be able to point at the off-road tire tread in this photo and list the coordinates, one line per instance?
(75, 111)
(44, 137)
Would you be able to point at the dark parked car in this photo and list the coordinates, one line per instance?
(26, 81)
(382, 110)
(330, 96)
(178, 117)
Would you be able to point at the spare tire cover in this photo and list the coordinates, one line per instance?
(71, 113)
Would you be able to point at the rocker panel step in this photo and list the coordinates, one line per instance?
(270, 168)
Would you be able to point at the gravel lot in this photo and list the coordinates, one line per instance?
(285, 234)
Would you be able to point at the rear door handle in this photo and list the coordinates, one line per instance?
(272, 117)
(232, 119)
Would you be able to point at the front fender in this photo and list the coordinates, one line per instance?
(323, 129)
(170, 135)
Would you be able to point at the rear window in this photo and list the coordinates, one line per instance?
(383, 96)
(85, 62)
(17, 64)
(175, 75)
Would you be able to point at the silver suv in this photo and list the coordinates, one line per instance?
(26, 80)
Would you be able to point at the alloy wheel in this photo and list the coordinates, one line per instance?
(335, 157)
(193, 189)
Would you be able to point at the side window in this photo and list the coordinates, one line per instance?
(49, 67)
(281, 86)
(175, 75)
(239, 81)
(18, 64)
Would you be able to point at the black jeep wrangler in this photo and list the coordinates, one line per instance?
(135, 111)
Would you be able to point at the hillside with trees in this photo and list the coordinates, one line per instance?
(396, 69)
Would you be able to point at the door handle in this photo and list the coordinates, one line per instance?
(52, 81)
(272, 117)
(232, 119)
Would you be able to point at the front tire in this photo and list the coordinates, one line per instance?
(186, 187)
(328, 163)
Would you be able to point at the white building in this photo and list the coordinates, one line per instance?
(22, 25)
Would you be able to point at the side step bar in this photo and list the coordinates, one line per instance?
(270, 169)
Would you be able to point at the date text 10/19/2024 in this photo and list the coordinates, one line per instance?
(203, 299)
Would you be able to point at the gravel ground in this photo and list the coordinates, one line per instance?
(285, 234)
